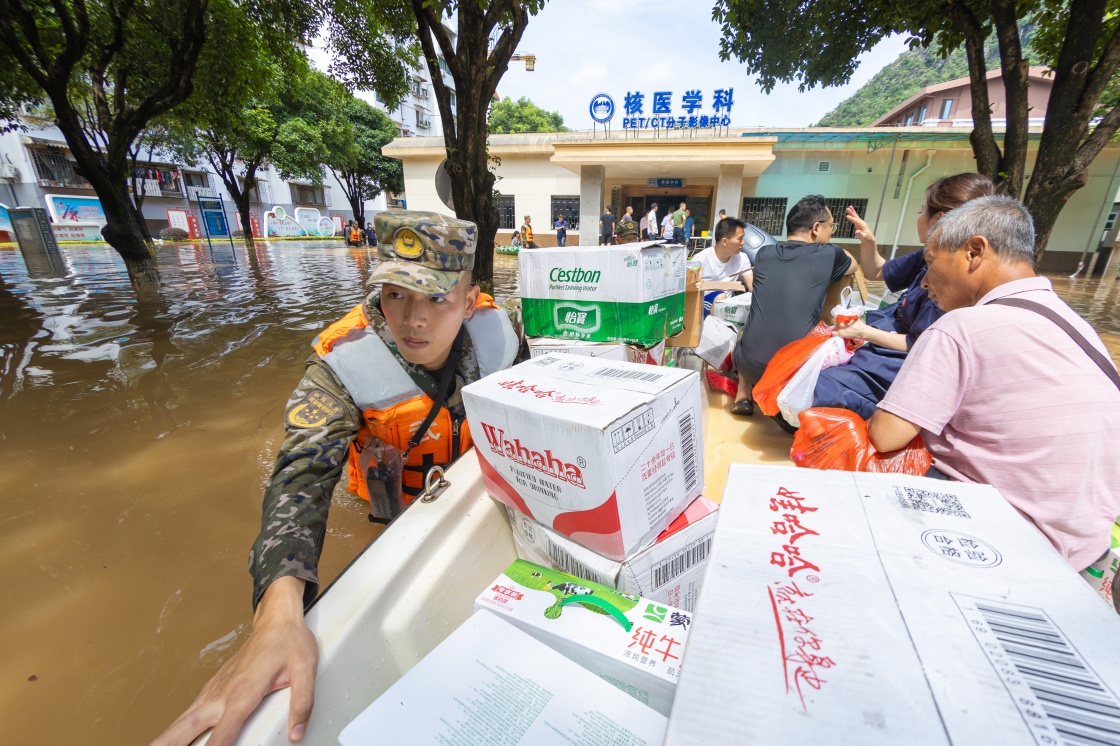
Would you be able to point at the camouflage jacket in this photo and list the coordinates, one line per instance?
(321, 420)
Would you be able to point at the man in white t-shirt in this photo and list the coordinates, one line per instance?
(725, 259)
(651, 222)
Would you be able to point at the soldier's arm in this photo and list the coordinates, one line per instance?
(321, 420)
(281, 651)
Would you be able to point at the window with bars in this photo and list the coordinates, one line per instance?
(568, 206)
(56, 166)
(768, 213)
(305, 194)
(838, 206)
(506, 212)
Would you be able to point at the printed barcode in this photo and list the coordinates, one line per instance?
(633, 375)
(1061, 699)
(938, 503)
(565, 562)
(688, 557)
(688, 452)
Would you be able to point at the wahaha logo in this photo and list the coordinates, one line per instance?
(545, 462)
(531, 389)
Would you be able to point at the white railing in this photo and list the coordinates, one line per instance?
(193, 192)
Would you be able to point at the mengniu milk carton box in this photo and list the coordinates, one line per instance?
(490, 683)
(668, 571)
(605, 453)
(651, 355)
(631, 293)
(1101, 575)
(631, 642)
(887, 609)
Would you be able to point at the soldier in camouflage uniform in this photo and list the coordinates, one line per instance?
(421, 319)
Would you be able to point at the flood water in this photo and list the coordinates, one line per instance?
(136, 440)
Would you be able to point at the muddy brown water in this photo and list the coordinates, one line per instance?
(135, 441)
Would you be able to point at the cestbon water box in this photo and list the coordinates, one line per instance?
(632, 293)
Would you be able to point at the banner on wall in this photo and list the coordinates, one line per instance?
(306, 221)
(185, 220)
(68, 209)
(6, 225)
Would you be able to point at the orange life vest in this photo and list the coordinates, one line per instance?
(355, 235)
(392, 405)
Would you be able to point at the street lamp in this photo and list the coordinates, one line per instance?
(530, 60)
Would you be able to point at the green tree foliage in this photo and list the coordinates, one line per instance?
(476, 56)
(109, 68)
(354, 153)
(819, 43)
(508, 117)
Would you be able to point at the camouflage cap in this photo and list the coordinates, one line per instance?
(627, 227)
(423, 251)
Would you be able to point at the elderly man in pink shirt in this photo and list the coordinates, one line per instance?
(1002, 394)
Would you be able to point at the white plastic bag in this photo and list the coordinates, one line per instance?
(717, 340)
(848, 311)
(797, 396)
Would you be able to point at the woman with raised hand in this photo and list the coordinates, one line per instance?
(890, 332)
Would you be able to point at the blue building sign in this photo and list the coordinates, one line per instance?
(656, 111)
(666, 183)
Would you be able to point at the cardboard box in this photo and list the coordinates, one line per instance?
(689, 335)
(629, 293)
(651, 355)
(733, 310)
(629, 641)
(605, 453)
(717, 343)
(1101, 575)
(668, 571)
(886, 609)
(490, 683)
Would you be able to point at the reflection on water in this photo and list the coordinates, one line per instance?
(136, 439)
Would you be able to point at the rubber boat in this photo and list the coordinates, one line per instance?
(417, 581)
(507, 249)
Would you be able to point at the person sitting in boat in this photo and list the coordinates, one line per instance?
(724, 260)
(387, 380)
(789, 286)
(1010, 387)
(891, 332)
(527, 234)
(354, 234)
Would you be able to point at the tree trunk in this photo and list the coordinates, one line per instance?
(241, 201)
(131, 242)
(476, 74)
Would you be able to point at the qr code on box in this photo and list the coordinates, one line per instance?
(927, 501)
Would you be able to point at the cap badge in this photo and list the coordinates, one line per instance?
(407, 244)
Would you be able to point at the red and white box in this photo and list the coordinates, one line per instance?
(605, 453)
(883, 609)
(668, 571)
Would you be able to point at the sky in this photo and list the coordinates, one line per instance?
(585, 47)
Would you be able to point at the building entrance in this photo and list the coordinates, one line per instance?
(696, 199)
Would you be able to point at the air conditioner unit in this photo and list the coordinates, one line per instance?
(8, 171)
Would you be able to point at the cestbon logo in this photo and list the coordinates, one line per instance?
(602, 107)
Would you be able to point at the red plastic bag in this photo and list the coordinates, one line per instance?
(831, 438)
(728, 384)
(782, 367)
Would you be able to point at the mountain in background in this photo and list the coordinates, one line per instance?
(910, 73)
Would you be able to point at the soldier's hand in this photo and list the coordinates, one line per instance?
(280, 652)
